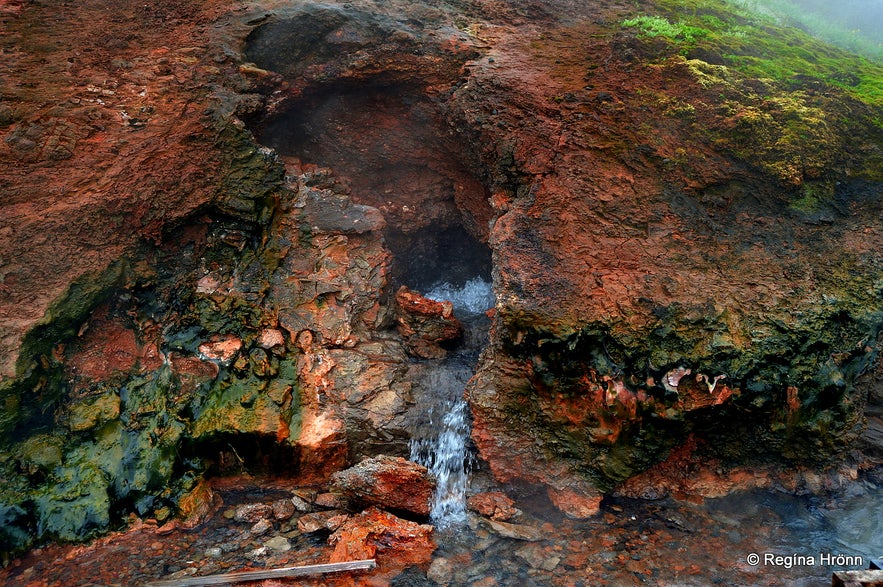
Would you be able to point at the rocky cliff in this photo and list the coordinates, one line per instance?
(208, 211)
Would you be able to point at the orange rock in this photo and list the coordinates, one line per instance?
(222, 348)
(575, 504)
(493, 504)
(425, 323)
(270, 337)
(378, 534)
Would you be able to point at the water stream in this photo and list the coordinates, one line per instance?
(441, 432)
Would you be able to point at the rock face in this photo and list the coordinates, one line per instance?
(391, 483)
(686, 248)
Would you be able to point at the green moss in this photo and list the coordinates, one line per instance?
(819, 348)
(253, 174)
(249, 404)
(814, 195)
(86, 414)
(74, 505)
(757, 45)
(42, 452)
(657, 26)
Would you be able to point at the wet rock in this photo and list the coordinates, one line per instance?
(330, 500)
(300, 504)
(516, 531)
(314, 522)
(196, 505)
(258, 553)
(494, 504)
(441, 570)
(389, 482)
(374, 533)
(261, 527)
(278, 543)
(575, 504)
(252, 512)
(222, 348)
(283, 509)
(426, 324)
(538, 557)
(331, 213)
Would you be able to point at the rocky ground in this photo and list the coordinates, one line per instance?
(209, 213)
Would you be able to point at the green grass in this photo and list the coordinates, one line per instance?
(657, 26)
(827, 27)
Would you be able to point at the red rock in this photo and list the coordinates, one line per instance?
(192, 371)
(575, 504)
(389, 482)
(494, 504)
(377, 534)
(283, 509)
(107, 347)
(222, 348)
(425, 323)
(330, 500)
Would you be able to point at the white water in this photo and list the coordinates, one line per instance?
(440, 440)
(476, 296)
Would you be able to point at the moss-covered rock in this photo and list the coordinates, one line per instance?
(75, 504)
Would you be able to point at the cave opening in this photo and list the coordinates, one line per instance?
(388, 145)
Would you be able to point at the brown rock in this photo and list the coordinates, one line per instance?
(283, 509)
(516, 531)
(389, 482)
(378, 534)
(330, 500)
(425, 323)
(198, 504)
(316, 521)
(252, 512)
(493, 504)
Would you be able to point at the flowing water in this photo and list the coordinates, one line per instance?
(440, 439)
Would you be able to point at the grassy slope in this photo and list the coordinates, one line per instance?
(756, 44)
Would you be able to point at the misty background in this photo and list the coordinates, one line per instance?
(856, 25)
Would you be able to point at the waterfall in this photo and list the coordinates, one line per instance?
(440, 439)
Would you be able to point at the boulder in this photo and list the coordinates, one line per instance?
(375, 533)
(391, 483)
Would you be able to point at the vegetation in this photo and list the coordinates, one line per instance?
(757, 44)
(844, 24)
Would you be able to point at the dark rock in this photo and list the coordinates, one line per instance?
(326, 212)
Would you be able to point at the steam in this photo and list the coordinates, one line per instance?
(856, 25)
